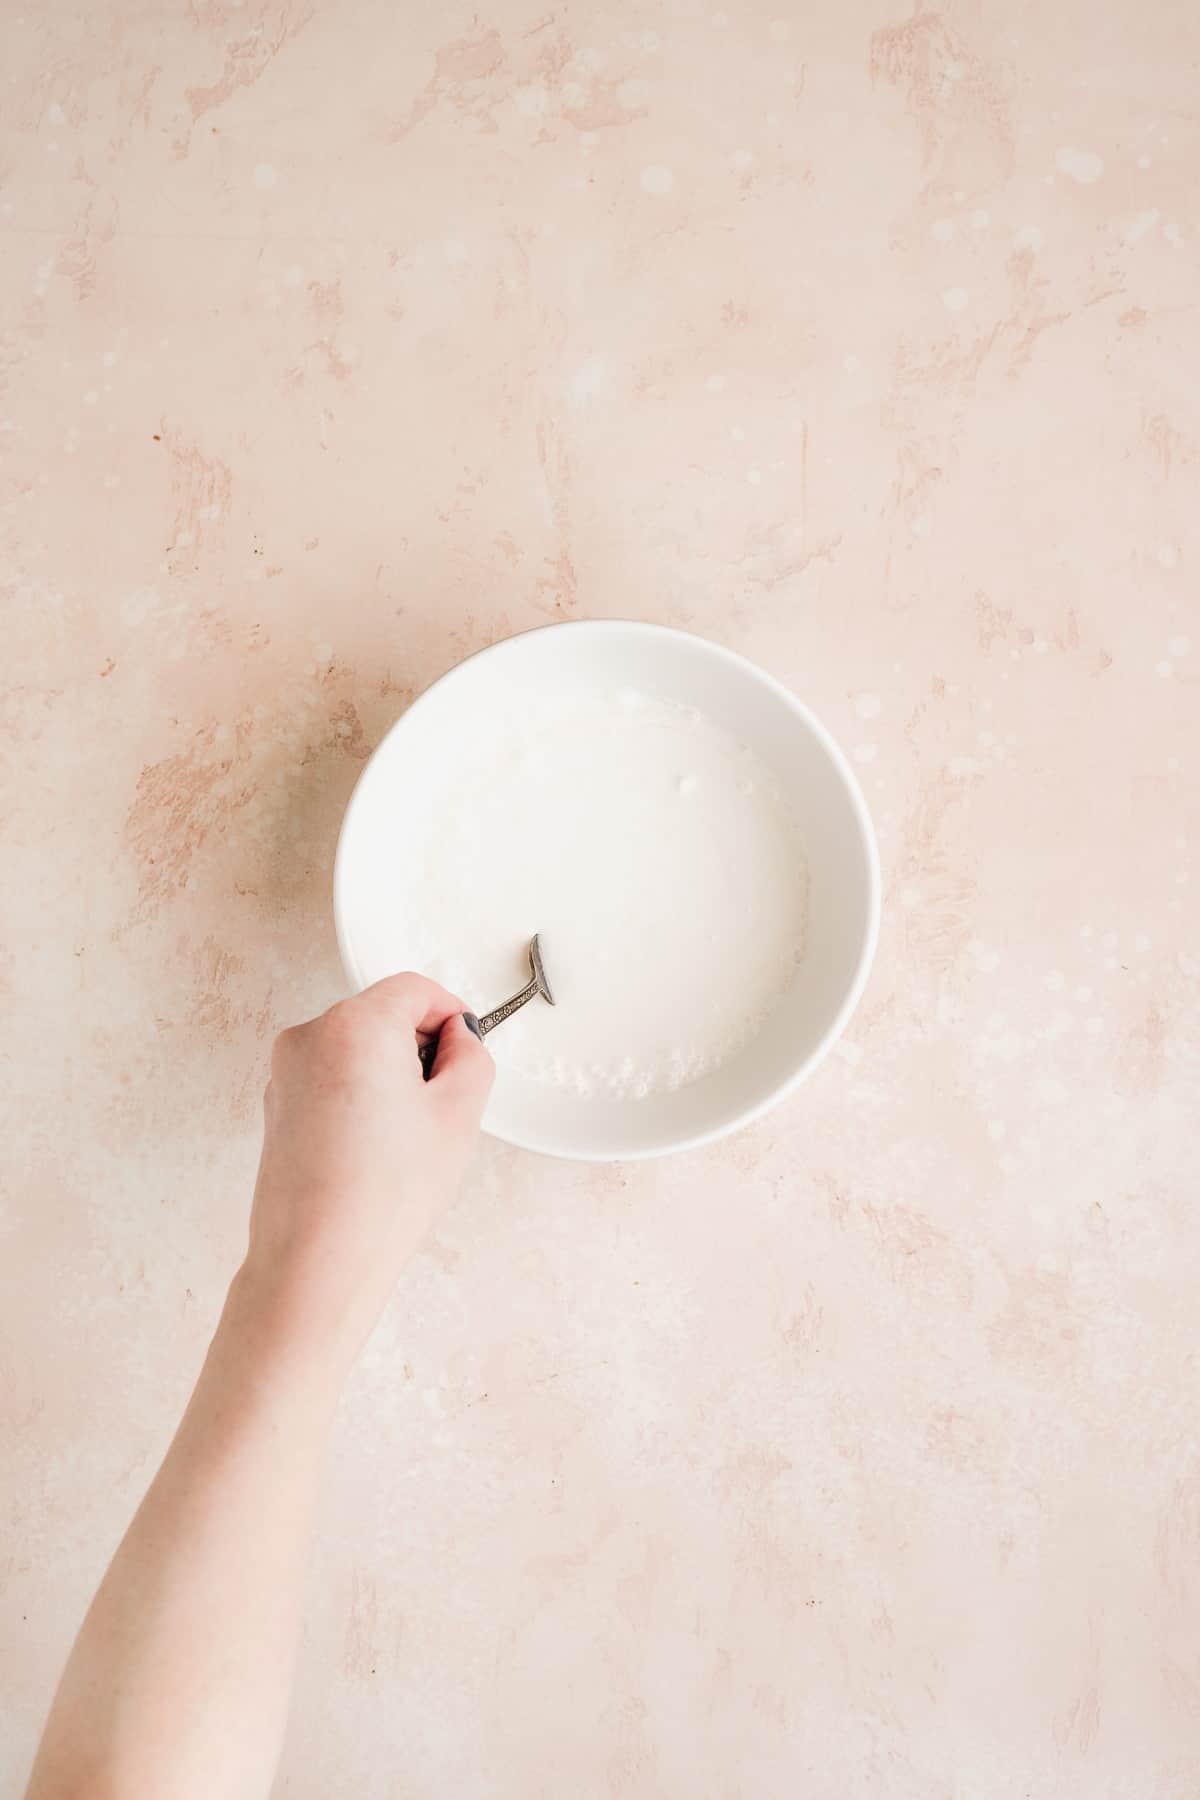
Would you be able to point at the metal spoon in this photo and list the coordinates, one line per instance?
(537, 984)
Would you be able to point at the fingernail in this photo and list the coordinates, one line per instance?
(472, 1024)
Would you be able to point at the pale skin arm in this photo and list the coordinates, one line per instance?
(178, 1683)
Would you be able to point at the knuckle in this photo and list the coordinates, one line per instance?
(337, 1019)
(347, 1032)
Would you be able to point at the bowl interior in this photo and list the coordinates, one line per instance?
(600, 656)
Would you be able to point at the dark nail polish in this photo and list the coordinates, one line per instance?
(472, 1025)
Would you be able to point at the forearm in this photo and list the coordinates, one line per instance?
(177, 1686)
(178, 1682)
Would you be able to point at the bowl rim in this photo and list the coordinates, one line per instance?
(858, 806)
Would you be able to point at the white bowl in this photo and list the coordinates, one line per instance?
(843, 873)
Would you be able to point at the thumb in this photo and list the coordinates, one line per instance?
(463, 1071)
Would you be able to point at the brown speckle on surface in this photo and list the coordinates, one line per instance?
(180, 803)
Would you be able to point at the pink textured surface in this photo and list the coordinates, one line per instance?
(857, 1455)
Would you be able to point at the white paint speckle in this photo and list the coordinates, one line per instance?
(1007, 1045)
(55, 114)
(293, 275)
(1029, 237)
(753, 476)
(1168, 555)
(686, 784)
(1141, 943)
(530, 101)
(1179, 646)
(865, 753)
(742, 160)
(264, 175)
(1093, 1025)
(589, 381)
(868, 706)
(1050, 1091)
(997, 1130)
(657, 180)
(943, 230)
(139, 604)
(980, 218)
(954, 299)
(1144, 161)
(590, 59)
(455, 251)
(1173, 235)
(91, 397)
(1081, 165)
(781, 31)
(1139, 226)
(715, 384)
(920, 526)
(1163, 668)
(634, 93)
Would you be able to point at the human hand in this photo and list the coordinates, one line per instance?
(360, 1155)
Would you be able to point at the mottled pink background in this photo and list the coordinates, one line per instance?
(856, 1456)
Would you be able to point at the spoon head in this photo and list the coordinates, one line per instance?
(538, 970)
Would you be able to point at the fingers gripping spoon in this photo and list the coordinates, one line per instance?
(537, 984)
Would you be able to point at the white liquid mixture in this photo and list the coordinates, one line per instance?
(657, 857)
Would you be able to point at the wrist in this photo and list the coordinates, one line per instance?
(266, 1330)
